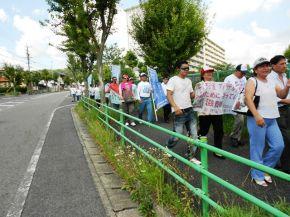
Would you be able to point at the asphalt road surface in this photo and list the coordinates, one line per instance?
(43, 169)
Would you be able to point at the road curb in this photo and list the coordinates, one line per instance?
(117, 202)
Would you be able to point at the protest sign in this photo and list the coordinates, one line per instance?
(214, 98)
(116, 71)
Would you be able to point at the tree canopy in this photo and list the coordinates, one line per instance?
(287, 53)
(169, 31)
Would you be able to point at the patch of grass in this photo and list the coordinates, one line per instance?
(147, 183)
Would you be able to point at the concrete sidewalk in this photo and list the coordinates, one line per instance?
(62, 183)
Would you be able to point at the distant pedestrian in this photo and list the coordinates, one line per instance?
(206, 120)
(166, 108)
(92, 91)
(73, 92)
(78, 93)
(238, 80)
(97, 96)
(278, 76)
(107, 94)
(262, 125)
(126, 91)
(144, 91)
(179, 94)
(115, 97)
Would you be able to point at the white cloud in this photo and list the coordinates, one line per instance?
(37, 38)
(39, 12)
(259, 31)
(288, 13)
(243, 47)
(8, 57)
(228, 9)
(3, 16)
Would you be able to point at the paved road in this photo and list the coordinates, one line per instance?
(62, 184)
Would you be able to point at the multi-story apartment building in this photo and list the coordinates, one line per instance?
(210, 54)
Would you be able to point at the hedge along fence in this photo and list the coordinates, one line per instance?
(203, 193)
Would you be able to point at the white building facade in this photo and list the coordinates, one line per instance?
(210, 54)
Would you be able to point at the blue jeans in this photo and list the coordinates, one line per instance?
(271, 134)
(187, 120)
(146, 102)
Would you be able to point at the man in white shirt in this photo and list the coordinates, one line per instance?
(166, 108)
(278, 76)
(179, 95)
(144, 91)
(73, 92)
(238, 80)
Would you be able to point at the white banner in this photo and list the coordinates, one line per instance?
(214, 98)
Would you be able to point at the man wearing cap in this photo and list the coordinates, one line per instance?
(238, 80)
(179, 95)
(144, 91)
(278, 76)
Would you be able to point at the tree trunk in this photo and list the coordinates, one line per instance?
(100, 71)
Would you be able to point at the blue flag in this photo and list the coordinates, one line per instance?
(159, 97)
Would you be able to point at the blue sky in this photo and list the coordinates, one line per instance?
(246, 29)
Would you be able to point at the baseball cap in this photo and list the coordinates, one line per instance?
(242, 68)
(125, 76)
(206, 69)
(260, 61)
(143, 74)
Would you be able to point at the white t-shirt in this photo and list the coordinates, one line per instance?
(238, 83)
(72, 90)
(91, 91)
(274, 77)
(144, 89)
(97, 92)
(78, 92)
(267, 107)
(181, 88)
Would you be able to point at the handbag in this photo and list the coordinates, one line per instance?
(245, 110)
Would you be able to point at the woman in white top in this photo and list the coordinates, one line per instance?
(262, 126)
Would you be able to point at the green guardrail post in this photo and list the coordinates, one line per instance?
(204, 178)
(122, 121)
(107, 116)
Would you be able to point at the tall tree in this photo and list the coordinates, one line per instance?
(169, 30)
(113, 54)
(287, 53)
(85, 23)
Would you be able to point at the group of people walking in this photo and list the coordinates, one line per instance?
(266, 95)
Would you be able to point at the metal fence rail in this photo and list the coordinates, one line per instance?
(104, 116)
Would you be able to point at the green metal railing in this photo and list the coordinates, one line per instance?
(203, 193)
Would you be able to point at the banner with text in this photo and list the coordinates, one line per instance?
(159, 97)
(214, 98)
(116, 71)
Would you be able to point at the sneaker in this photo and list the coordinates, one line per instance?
(218, 156)
(127, 124)
(166, 153)
(133, 124)
(260, 182)
(268, 178)
(195, 161)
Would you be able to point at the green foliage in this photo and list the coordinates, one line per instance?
(14, 74)
(113, 54)
(224, 67)
(4, 89)
(169, 31)
(287, 53)
(131, 59)
(128, 71)
(21, 89)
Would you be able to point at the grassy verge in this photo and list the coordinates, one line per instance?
(147, 183)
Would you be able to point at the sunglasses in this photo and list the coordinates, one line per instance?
(185, 69)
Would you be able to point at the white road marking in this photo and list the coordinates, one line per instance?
(7, 105)
(17, 206)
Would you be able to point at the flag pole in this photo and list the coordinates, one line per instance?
(154, 107)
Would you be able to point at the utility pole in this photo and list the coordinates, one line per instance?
(28, 66)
